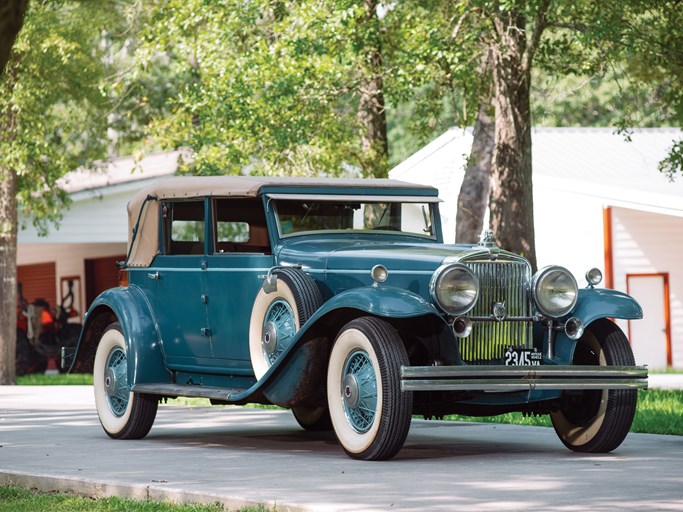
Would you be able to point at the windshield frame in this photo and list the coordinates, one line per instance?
(431, 202)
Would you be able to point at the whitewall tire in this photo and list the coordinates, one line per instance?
(369, 412)
(123, 414)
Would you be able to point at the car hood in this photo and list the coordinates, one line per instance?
(362, 254)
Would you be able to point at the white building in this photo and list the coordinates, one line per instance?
(598, 201)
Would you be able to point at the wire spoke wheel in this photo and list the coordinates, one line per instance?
(369, 412)
(359, 387)
(116, 381)
(122, 413)
(279, 327)
(277, 315)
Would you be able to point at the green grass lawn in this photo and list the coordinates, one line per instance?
(13, 499)
(659, 412)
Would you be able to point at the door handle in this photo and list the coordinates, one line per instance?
(153, 275)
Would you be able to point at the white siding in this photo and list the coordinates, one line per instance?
(99, 219)
(645, 243)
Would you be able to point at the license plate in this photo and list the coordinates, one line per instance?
(523, 357)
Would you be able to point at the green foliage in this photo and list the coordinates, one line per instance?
(60, 379)
(53, 113)
(15, 499)
(268, 87)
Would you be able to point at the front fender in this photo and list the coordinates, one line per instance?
(387, 302)
(285, 382)
(595, 303)
(144, 350)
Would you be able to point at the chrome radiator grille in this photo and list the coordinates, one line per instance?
(503, 282)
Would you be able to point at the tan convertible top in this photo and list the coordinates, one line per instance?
(179, 187)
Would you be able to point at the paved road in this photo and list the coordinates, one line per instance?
(50, 438)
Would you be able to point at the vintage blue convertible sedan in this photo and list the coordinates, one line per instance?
(337, 299)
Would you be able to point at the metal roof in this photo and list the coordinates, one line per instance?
(594, 161)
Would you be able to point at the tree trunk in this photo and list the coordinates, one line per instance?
(371, 113)
(511, 198)
(11, 20)
(474, 191)
(8, 275)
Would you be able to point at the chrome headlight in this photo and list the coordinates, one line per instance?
(555, 291)
(454, 288)
(594, 277)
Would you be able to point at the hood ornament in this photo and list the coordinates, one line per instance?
(487, 242)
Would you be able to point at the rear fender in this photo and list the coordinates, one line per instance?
(144, 349)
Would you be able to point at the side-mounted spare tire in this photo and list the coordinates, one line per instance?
(278, 315)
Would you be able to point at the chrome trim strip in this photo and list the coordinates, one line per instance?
(521, 378)
(520, 385)
(529, 372)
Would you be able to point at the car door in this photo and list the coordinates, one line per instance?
(180, 275)
(240, 257)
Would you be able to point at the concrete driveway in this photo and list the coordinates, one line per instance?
(50, 439)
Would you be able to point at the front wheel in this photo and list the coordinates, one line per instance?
(369, 412)
(597, 421)
(123, 414)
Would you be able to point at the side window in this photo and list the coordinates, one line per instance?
(240, 226)
(232, 231)
(183, 227)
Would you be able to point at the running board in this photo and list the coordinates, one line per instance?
(521, 378)
(175, 390)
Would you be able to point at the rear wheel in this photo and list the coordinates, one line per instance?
(597, 421)
(314, 419)
(123, 414)
(369, 412)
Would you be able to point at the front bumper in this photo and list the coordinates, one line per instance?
(521, 378)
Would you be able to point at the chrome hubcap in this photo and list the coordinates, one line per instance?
(351, 391)
(269, 338)
(110, 382)
(279, 327)
(116, 382)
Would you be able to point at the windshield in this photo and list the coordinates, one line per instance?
(306, 216)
